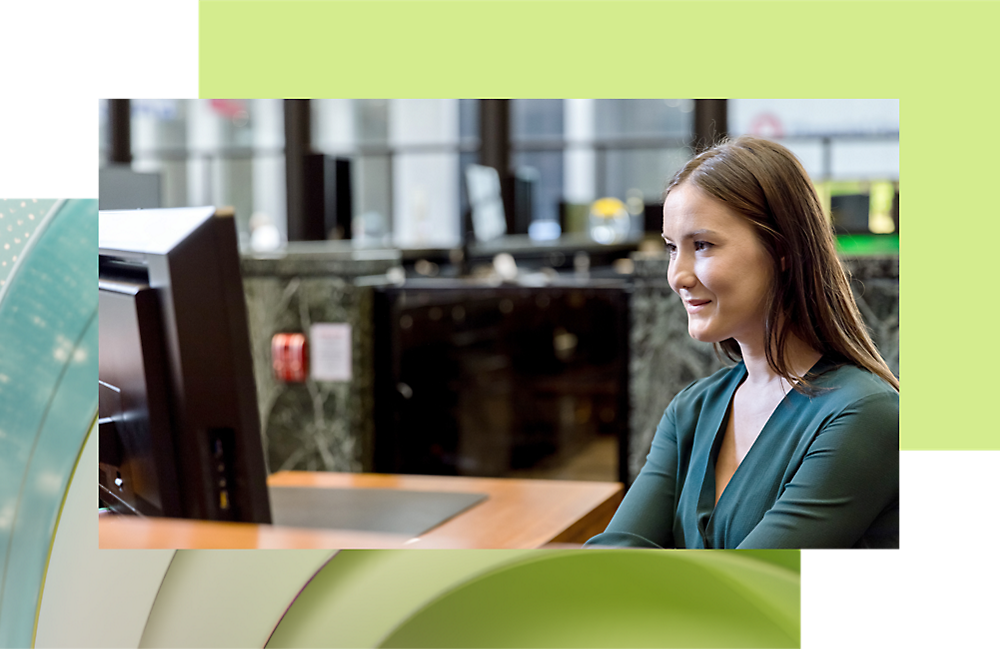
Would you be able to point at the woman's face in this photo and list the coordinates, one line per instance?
(718, 267)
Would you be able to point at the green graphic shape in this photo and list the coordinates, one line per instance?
(227, 598)
(585, 598)
(615, 599)
(361, 595)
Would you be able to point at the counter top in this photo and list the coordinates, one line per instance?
(516, 514)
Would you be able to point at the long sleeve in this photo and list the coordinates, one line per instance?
(646, 516)
(846, 488)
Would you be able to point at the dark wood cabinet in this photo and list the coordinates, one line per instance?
(489, 380)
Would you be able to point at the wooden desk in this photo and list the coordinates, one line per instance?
(516, 514)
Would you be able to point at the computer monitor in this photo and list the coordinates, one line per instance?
(485, 200)
(179, 427)
(849, 213)
(180, 430)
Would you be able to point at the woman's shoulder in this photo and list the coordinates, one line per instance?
(855, 409)
(845, 384)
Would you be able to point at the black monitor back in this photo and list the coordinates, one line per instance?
(180, 427)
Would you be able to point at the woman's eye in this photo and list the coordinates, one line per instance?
(702, 245)
(672, 249)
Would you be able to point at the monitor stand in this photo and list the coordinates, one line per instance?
(390, 511)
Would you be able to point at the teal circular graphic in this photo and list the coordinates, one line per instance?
(48, 395)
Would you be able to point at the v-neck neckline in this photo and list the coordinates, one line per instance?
(707, 505)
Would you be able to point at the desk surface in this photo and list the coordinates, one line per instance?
(516, 514)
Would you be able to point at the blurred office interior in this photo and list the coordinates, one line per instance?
(496, 263)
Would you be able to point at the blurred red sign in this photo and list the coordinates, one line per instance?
(289, 357)
(229, 108)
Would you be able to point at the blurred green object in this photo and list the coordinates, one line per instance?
(48, 398)
(868, 244)
(577, 215)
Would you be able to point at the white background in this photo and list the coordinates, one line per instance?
(60, 57)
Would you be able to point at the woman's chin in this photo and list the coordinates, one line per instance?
(702, 335)
(698, 335)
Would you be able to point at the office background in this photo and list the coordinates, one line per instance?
(589, 397)
(408, 156)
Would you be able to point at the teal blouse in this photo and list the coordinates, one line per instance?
(823, 473)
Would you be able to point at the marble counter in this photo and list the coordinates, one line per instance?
(316, 425)
(664, 359)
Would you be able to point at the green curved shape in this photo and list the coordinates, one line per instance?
(363, 598)
(624, 598)
(48, 398)
(361, 595)
(790, 559)
(227, 598)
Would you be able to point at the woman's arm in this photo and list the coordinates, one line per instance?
(849, 476)
(645, 518)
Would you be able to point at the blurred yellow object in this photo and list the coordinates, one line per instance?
(607, 207)
(609, 220)
(879, 214)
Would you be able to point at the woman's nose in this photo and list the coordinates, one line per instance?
(680, 274)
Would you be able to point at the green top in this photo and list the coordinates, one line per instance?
(823, 473)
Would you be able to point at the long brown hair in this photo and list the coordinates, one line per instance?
(810, 298)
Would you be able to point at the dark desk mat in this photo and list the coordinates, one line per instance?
(370, 510)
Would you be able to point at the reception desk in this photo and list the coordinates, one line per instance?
(515, 514)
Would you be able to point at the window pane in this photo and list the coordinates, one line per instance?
(332, 125)
(215, 152)
(266, 121)
(779, 118)
(423, 121)
(468, 119)
(860, 159)
(812, 154)
(464, 160)
(371, 175)
(159, 125)
(232, 183)
(836, 139)
(175, 188)
(425, 200)
(371, 119)
(644, 118)
(626, 171)
(549, 189)
(536, 119)
(269, 190)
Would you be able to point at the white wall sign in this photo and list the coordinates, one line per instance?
(330, 352)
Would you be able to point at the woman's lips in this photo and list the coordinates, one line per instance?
(694, 306)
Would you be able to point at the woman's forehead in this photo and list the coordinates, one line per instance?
(688, 210)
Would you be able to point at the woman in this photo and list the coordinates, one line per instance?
(795, 446)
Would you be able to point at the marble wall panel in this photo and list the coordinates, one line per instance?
(315, 425)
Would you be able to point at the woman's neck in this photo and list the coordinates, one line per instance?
(799, 357)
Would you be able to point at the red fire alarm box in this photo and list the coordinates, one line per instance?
(290, 357)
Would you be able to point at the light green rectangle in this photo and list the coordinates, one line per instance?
(936, 57)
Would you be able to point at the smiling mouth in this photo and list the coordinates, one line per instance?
(693, 306)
